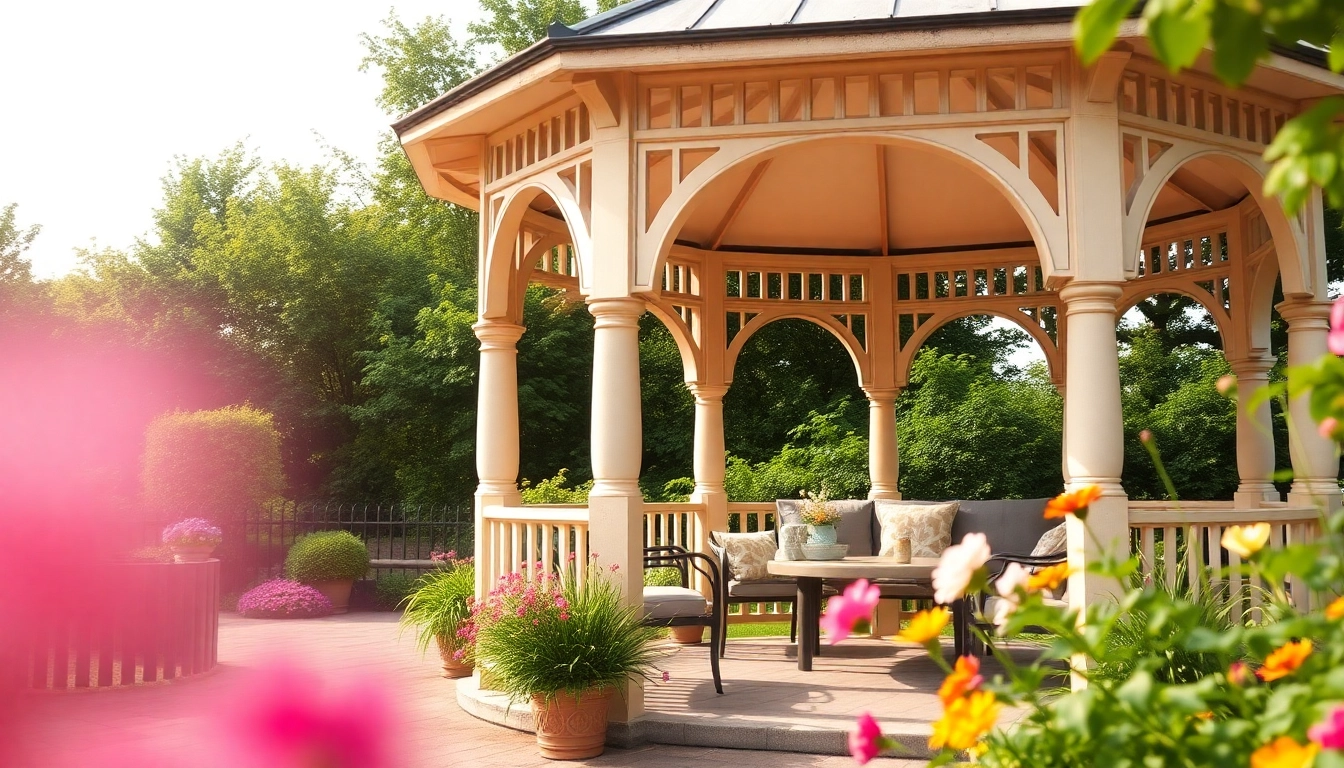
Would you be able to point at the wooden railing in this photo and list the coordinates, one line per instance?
(1195, 531)
(532, 539)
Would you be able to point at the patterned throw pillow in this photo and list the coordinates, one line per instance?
(1052, 542)
(748, 553)
(928, 526)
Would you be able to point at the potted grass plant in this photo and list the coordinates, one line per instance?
(440, 610)
(567, 643)
(329, 561)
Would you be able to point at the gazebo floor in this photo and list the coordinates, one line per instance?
(768, 704)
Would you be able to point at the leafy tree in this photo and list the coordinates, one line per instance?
(16, 275)
(825, 453)
(220, 462)
(514, 25)
(417, 63)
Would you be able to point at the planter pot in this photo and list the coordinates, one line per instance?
(570, 728)
(452, 667)
(337, 591)
(191, 553)
(821, 534)
(688, 635)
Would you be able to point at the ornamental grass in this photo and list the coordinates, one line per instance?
(561, 633)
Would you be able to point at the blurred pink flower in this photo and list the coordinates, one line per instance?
(866, 740)
(1327, 427)
(957, 567)
(1335, 341)
(287, 718)
(667, 676)
(1329, 733)
(1009, 585)
(615, 567)
(845, 610)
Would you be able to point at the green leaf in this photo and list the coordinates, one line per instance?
(1137, 691)
(1096, 25)
(1239, 41)
(1178, 30)
(1337, 51)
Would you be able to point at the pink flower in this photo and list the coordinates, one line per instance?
(1010, 584)
(1328, 426)
(286, 717)
(866, 740)
(845, 610)
(1335, 341)
(957, 567)
(1329, 733)
(666, 677)
(615, 567)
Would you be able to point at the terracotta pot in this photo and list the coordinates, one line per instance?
(337, 591)
(192, 553)
(452, 668)
(688, 635)
(570, 728)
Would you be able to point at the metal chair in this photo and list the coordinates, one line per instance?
(971, 611)
(683, 606)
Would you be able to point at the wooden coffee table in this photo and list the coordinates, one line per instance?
(811, 573)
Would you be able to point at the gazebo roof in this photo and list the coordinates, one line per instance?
(664, 16)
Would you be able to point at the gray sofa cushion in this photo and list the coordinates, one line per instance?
(1011, 525)
(671, 602)
(856, 526)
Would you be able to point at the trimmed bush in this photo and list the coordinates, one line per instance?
(222, 462)
(327, 556)
(283, 599)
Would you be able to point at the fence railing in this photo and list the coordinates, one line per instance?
(1194, 531)
(529, 540)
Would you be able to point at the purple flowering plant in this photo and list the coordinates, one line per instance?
(283, 599)
(192, 532)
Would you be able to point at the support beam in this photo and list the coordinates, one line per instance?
(603, 97)
(883, 447)
(1315, 460)
(496, 430)
(883, 212)
(709, 464)
(1255, 435)
(738, 204)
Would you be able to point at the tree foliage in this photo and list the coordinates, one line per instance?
(220, 462)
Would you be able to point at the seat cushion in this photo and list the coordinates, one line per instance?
(747, 553)
(855, 527)
(928, 526)
(672, 602)
(770, 589)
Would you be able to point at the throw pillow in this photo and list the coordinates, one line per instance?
(1052, 542)
(748, 553)
(928, 526)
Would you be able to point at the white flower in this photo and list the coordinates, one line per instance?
(1013, 579)
(957, 567)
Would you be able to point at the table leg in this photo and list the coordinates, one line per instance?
(809, 616)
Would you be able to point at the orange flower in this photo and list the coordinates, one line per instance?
(926, 625)
(1073, 502)
(1284, 752)
(1284, 661)
(964, 721)
(964, 679)
(1049, 578)
(1335, 610)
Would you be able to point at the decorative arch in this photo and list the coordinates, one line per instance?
(862, 363)
(686, 345)
(905, 356)
(1221, 320)
(500, 265)
(1250, 171)
(1048, 226)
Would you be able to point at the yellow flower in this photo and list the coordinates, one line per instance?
(1284, 661)
(1246, 540)
(1049, 578)
(964, 721)
(926, 625)
(1284, 752)
(964, 679)
(1073, 502)
(1335, 610)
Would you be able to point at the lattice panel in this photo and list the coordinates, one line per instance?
(1199, 260)
(1202, 106)
(548, 137)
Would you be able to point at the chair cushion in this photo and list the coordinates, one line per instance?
(747, 553)
(671, 602)
(1011, 525)
(855, 527)
(1052, 542)
(928, 526)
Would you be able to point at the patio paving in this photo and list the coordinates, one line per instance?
(176, 724)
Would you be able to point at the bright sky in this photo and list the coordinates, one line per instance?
(97, 98)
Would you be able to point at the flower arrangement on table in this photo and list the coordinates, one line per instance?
(1269, 694)
(440, 609)
(563, 641)
(817, 510)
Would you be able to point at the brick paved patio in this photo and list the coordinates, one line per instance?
(170, 725)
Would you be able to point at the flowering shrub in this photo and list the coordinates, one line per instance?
(327, 555)
(283, 599)
(193, 532)
(1272, 696)
(560, 633)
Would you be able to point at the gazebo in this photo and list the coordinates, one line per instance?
(879, 169)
